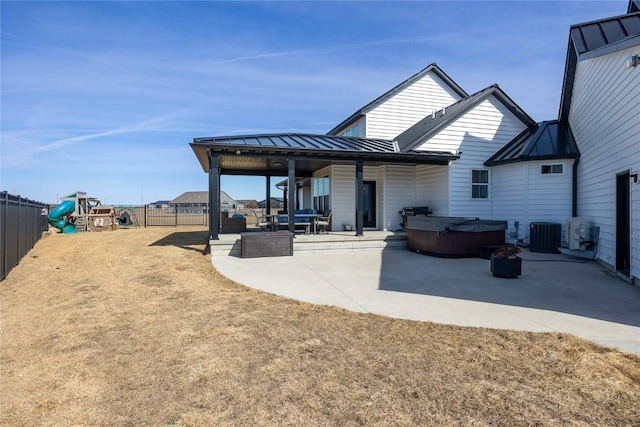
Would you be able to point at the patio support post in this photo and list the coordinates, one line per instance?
(268, 201)
(359, 198)
(214, 195)
(291, 189)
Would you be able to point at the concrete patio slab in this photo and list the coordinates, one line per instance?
(555, 293)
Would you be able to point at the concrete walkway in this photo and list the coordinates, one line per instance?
(556, 293)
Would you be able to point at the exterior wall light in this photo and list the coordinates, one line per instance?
(633, 61)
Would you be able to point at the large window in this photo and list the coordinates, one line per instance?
(479, 184)
(320, 192)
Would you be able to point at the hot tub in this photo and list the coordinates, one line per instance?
(453, 236)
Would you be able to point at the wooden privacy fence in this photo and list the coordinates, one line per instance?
(21, 225)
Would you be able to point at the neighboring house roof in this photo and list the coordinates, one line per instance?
(160, 202)
(413, 137)
(191, 197)
(545, 140)
(596, 38)
(399, 88)
(269, 152)
(634, 6)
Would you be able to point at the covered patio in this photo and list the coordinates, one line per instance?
(299, 156)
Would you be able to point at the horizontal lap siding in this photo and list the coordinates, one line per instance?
(406, 108)
(400, 191)
(508, 195)
(343, 195)
(478, 134)
(433, 188)
(549, 196)
(605, 118)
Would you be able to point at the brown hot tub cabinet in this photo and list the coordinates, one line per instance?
(453, 236)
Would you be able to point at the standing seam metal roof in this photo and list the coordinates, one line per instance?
(303, 142)
(545, 140)
(430, 125)
(591, 36)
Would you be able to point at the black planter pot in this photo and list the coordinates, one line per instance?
(506, 267)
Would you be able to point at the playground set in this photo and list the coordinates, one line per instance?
(79, 213)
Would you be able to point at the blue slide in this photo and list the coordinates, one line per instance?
(56, 214)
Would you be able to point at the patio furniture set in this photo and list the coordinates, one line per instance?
(310, 220)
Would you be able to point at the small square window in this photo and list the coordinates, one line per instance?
(549, 169)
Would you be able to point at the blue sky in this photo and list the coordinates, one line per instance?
(104, 97)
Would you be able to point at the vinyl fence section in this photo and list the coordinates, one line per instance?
(21, 225)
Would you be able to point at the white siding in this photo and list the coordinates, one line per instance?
(400, 191)
(509, 196)
(521, 193)
(343, 195)
(605, 120)
(432, 188)
(478, 134)
(407, 107)
(549, 196)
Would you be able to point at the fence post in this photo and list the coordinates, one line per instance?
(5, 259)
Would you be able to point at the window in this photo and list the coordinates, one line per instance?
(547, 169)
(479, 184)
(352, 131)
(320, 193)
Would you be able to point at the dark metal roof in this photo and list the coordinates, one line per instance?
(545, 140)
(267, 154)
(593, 35)
(590, 39)
(413, 137)
(384, 97)
(634, 6)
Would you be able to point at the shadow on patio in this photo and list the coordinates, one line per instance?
(548, 282)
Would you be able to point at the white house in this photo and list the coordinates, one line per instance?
(427, 142)
(601, 104)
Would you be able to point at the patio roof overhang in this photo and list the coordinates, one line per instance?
(296, 156)
(267, 155)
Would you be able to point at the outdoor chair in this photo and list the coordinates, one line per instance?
(324, 221)
(262, 222)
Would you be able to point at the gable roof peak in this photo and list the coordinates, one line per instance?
(431, 68)
(434, 123)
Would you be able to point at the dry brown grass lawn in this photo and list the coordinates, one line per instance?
(135, 327)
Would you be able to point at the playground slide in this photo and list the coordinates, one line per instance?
(56, 214)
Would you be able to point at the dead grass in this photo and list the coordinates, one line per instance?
(135, 327)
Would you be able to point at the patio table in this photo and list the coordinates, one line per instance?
(313, 223)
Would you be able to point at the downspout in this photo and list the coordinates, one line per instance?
(574, 188)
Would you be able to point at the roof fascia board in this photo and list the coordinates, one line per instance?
(514, 108)
(532, 158)
(342, 155)
(631, 41)
(567, 82)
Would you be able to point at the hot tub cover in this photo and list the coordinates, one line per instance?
(446, 223)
